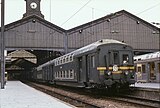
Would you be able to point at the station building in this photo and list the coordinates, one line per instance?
(33, 32)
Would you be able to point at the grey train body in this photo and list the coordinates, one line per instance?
(148, 67)
(105, 63)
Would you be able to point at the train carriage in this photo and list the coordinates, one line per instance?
(105, 63)
(148, 67)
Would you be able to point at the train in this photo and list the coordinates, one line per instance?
(147, 67)
(106, 63)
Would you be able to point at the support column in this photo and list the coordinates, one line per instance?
(65, 43)
(2, 46)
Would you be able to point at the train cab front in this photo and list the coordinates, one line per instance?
(120, 70)
(120, 76)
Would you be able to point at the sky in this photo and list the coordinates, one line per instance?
(68, 14)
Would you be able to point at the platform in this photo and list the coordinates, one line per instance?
(147, 85)
(18, 95)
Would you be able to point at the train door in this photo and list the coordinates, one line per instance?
(52, 73)
(139, 72)
(152, 71)
(92, 70)
(80, 68)
(83, 69)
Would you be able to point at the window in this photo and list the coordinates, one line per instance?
(115, 57)
(71, 74)
(139, 69)
(63, 59)
(125, 58)
(59, 74)
(93, 61)
(67, 59)
(57, 61)
(70, 57)
(63, 74)
(67, 74)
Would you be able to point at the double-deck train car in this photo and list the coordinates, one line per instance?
(148, 67)
(105, 63)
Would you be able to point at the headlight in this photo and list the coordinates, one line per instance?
(132, 76)
(126, 72)
(109, 73)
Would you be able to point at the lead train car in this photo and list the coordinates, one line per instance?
(105, 63)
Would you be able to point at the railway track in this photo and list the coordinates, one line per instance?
(138, 101)
(98, 100)
(126, 98)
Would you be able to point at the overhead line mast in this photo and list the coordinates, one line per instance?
(2, 45)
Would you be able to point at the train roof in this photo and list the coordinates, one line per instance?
(45, 64)
(84, 49)
(148, 56)
(95, 45)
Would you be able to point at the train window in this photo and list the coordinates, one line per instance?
(125, 58)
(115, 57)
(139, 69)
(57, 62)
(63, 74)
(71, 74)
(59, 74)
(67, 58)
(67, 74)
(70, 57)
(63, 59)
(93, 61)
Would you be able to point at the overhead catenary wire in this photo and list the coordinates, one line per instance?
(76, 12)
(123, 20)
(148, 9)
(50, 10)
